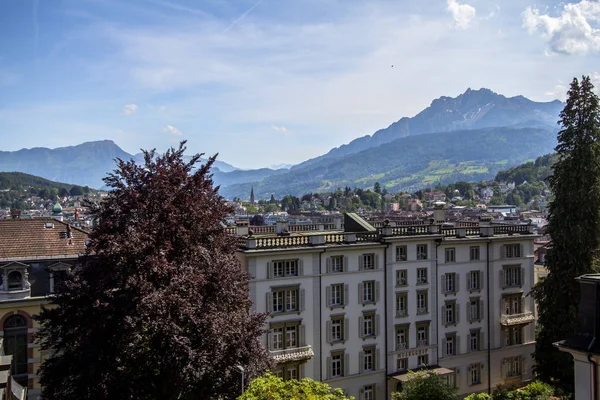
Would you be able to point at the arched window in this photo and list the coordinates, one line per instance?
(15, 280)
(15, 344)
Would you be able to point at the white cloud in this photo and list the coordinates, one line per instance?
(171, 130)
(559, 91)
(129, 109)
(574, 31)
(281, 129)
(462, 14)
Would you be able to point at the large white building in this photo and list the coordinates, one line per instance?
(358, 307)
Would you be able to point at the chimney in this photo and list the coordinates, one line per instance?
(282, 227)
(241, 228)
(337, 222)
(439, 214)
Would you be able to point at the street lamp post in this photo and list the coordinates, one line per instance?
(241, 369)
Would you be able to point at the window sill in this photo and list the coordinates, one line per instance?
(276, 314)
(369, 337)
(402, 285)
(368, 303)
(422, 283)
(471, 290)
(333, 307)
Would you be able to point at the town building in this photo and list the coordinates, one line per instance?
(358, 304)
(34, 255)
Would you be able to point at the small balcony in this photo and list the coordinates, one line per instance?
(292, 354)
(401, 346)
(517, 319)
(422, 343)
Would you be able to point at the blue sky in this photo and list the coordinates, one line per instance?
(271, 81)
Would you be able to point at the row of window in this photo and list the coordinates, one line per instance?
(338, 361)
(290, 334)
(287, 299)
(510, 276)
(337, 295)
(402, 334)
(291, 299)
(338, 327)
(335, 264)
(450, 312)
(286, 335)
(450, 345)
(402, 303)
(507, 251)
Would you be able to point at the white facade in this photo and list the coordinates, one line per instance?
(358, 310)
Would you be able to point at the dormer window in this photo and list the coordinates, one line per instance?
(15, 280)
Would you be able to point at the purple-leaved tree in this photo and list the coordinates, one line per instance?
(158, 307)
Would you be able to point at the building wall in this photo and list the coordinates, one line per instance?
(316, 314)
(27, 308)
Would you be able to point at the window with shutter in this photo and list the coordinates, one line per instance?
(346, 295)
(336, 264)
(401, 277)
(346, 329)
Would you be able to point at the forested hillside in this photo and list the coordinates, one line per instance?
(17, 187)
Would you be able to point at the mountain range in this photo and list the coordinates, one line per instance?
(469, 137)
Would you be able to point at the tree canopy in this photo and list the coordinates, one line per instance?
(158, 307)
(271, 387)
(574, 225)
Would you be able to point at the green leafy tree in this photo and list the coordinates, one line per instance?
(574, 225)
(76, 191)
(377, 188)
(479, 396)
(271, 387)
(426, 385)
(158, 307)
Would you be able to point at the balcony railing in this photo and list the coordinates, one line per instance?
(401, 346)
(421, 310)
(293, 354)
(422, 343)
(401, 313)
(517, 319)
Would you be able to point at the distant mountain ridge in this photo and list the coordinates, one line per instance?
(87, 163)
(473, 109)
(411, 162)
(480, 116)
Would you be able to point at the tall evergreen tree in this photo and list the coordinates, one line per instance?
(159, 306)
(574, 225)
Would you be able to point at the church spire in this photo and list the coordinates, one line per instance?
(252, 194)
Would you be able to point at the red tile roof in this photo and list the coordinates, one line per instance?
(36, 238)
